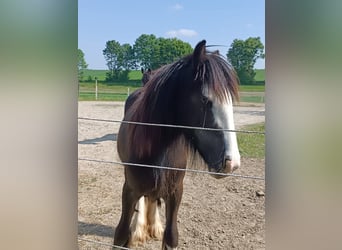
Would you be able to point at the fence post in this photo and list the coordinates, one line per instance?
(95, 88)
(127, 91)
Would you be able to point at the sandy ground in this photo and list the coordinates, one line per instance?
(214, 214)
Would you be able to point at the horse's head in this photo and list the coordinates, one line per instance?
(198, 90)
(146, 75)
(208, 102)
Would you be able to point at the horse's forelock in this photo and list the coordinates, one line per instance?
(220, 77)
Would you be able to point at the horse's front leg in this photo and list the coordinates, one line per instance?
(122, 231)
(172, 202)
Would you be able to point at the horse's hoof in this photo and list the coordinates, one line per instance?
(166, 247)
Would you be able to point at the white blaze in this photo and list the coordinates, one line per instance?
(224, 118)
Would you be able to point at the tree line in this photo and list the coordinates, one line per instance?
(150, 52)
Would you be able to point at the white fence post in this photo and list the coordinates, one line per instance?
(95, 88)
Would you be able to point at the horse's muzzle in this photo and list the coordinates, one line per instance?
(228, 167)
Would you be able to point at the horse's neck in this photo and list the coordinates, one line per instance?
(176, 153)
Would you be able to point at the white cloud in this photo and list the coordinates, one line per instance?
(181, 33)
(177, 6)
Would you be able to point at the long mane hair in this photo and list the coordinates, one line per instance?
(157, 102)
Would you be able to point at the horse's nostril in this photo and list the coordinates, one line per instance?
(230, 165)
(228, 158)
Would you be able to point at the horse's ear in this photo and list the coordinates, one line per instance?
(199, 53)
(149, 70)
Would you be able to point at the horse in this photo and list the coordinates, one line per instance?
(146, 75)
(198, 91)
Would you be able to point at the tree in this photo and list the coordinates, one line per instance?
(145, 48)
(112, 53)
(243, 55)
(125, 61)
(120, 60)
(152, 52)
(170, 50)
(147, 52)
(81, 65)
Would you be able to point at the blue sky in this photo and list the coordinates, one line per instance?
(217, 21)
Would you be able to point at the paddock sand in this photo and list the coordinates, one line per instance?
(215, 214)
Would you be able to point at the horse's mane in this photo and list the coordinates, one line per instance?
(157, 100)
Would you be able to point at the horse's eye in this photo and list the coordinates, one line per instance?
(205, 99)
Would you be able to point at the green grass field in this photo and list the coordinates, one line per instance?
(253, 99)
(252, 145)
(106, 92)
(118, 91)
(252, 88)
(135, 75)
(260, 75)
(90, 96)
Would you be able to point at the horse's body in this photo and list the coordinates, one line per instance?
(198, 91)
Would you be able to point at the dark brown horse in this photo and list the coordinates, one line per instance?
(198, 90)
(146, 75)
